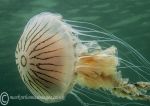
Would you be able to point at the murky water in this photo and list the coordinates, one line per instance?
(128, 19)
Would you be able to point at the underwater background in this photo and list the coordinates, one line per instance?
(127, 19)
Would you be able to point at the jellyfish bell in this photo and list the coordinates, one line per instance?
(45, 57)
(54, 57)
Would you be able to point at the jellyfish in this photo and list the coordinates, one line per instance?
(57, 57)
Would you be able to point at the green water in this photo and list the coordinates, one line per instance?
(127, 19)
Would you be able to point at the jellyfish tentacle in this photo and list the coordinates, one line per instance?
(79, 99)
(135, 91)
(143, 85)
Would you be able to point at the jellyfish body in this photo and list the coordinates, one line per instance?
(52, 59)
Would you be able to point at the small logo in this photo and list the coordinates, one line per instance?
(4, 98)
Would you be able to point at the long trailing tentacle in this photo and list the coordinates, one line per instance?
(108, 34)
